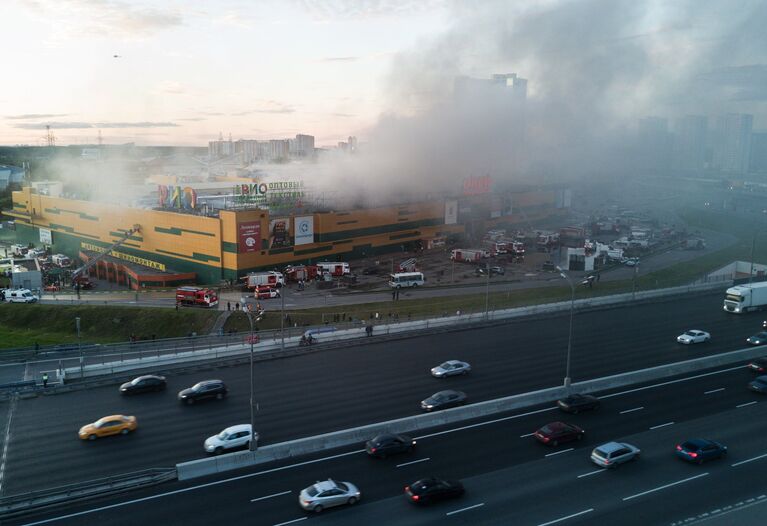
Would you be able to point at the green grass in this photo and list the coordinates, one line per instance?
(22, 325)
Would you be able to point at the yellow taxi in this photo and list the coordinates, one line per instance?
(109, 425)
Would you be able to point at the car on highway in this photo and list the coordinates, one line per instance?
(444, 400)
(144, 384)
(760, 338)
(758, 384)
(693, 336)
(556, 433)
(494, 271)
(631, 262)
(450, 368)
(764, 324)
(433, 489)
(576, 403)
(203, 390)
(108, 425)
(699, 450)
(233, 437)
(382, 446)
(611, 454)
(758, 365)
(327, 494)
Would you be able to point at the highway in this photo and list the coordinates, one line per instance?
(510, 478)
(331, 390)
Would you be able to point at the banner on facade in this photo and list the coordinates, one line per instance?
(249, 236)
(46, 237)
(279, 233)
(451, 212)
(304, 230)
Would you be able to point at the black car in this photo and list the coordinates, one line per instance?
(443, 400)
(426, 491)
(758, 365)
(577, 403)
(203, 390)
(759, 338)
(699, 450)
(384, 445)
(759, 384)
(143, 384)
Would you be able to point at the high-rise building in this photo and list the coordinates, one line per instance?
(732, 143)
(758, 162)
(689, 155)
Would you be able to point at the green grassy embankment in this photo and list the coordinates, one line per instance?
(22, 325)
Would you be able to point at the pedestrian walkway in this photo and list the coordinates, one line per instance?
(218, 327)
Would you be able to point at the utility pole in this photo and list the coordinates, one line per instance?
(282, 320)
(248, 313)
(487, 290)
(79, 347)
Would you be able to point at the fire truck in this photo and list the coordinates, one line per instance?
(271, 278)
(301, 272)
(196, 297)
(334, 268)
(465, 255)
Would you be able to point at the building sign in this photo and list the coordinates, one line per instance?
(249, 237)
(125, 257)
(46, 238)
(176, 197)
(279, 233)
(275, 192)
(451, 212)
(304, 230)
(477, 185)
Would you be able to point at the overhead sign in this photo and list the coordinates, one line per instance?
(304, 230)
(46, 238)
(249, 236)
(126, 257)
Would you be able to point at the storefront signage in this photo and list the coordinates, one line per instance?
(248, 237)
(126, 257)
(273, 192)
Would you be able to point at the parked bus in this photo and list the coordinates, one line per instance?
(406, 279)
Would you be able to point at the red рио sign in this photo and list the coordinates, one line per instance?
(477, 185)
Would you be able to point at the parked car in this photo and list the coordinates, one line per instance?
(433, 489)
(327, 494)
(444, 400)
(759, 338)
(494, 271)
(556, 433)
(233, 437)
(450, 368)
(631, 262)
(693, 336)
(202, 390)
(21, 296)
(143, 384)
(758, 384)
(109, 425)
(389, 444)
(266, 292)
(577, 402)
(758, 365)
(611, 454)
(699, 450)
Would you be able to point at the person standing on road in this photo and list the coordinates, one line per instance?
(394, 294)
(45, 380)
(228, 305)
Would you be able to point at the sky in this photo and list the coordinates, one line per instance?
(186, 71)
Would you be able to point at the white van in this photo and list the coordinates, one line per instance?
(20, 296)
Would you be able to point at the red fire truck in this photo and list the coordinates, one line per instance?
(196, 297)
(301, 272)
(334, 268)
(271, 278)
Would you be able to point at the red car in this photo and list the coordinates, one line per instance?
(266, 292)
(759, 365)
(556, 433)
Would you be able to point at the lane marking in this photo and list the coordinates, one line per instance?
(558, 452)
(414, 462)
(7, 439)
(494, 421)
(703, 517)
(749, 460)
(672, 382)
(270, 496)
(291, 522)
(747, 403)
(591, 473)
(665, 486)
(631, 410)
(527, 435)
(584, 512)
(662, 425)
(714, 390)
(464, 509)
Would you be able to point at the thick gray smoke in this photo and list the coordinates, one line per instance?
(593, 67)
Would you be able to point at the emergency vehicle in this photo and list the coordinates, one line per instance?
(196, 297)
(466, 255)
(271, 278)
(265, 292)
(334, 268)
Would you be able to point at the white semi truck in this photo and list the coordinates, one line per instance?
(745, 298)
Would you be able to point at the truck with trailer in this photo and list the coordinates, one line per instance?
(196, 297)
(745, 298)
(271, 278)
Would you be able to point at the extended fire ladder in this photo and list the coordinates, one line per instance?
(90, 263)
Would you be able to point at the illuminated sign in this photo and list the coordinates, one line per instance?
(127, 257)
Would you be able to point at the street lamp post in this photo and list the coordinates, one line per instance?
(634, 281)
(251, 444)
(282, 320)
(487, 290)
(570, 333)
(79, 347)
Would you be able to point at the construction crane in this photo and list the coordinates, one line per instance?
(89, 264)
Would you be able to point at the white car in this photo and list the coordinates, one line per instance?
(450, 368)
(693, 336)
(230, 438)
(328, 493)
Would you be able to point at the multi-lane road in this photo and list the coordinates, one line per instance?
(338, 389)
(509, 477)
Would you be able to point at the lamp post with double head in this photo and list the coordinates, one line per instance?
(570, 333)
(249, 314)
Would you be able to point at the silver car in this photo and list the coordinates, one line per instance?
(611, 454)
(450, 368)
(327, 494)
(230, 438)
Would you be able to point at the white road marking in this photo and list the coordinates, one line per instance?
(291, 522)
(631, 410)
(665, 486)
(747, 403)
(662, 425)
(749, 460)
(512, 417)
(414, 462)
(714, 390)
(584, 512)
(672, 382)
(464, 509)
(270, 496)
(6, 440)
(559, 452)
(702, 517)
(591, 473)
(527, 435)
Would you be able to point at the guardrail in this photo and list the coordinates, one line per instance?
(22, 503)
(357, 436)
